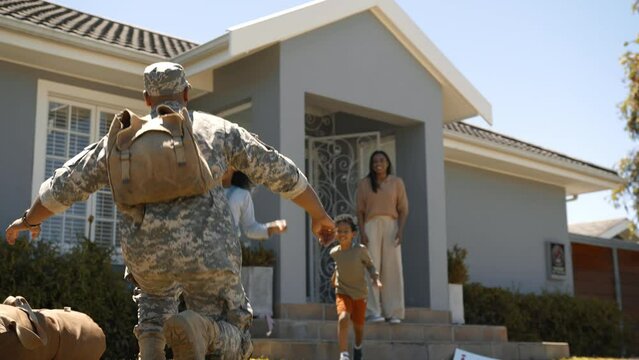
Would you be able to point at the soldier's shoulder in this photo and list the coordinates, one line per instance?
(210, 124)
(209, 119)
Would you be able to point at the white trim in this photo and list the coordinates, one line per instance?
(49, 89)
(431, 58)
(235, 109)
(615, 230)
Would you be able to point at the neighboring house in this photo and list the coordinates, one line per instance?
(326, 83)
(618, 229)
(605, 256)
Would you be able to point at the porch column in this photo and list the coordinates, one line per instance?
(290, 279)
(420, 163)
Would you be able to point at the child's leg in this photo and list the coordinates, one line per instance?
(344, 305)
(342, 331)
(359, 317)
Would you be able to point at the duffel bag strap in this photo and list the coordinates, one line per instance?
(28, 338)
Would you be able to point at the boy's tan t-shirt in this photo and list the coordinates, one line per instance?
(350, 265)
(389, 199)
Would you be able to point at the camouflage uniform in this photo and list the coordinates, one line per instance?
(189, 245)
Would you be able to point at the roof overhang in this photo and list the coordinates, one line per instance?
(461, 99)
(68, 54)
(576, 179)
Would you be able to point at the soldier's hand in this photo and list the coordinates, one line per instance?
(12, 232)
(324, 229)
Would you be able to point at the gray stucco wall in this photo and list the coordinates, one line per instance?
(256, 79)
(358, 61)
(18, 96)
(504, 222)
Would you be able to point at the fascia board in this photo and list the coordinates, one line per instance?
(206, 57)
(421, 47)
(616, 229)
(467, 144)
(277, 27)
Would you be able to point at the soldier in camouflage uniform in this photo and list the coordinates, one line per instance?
(186, 246)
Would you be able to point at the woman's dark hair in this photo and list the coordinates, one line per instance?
(240, 180)
(346, 219)
(371, 173)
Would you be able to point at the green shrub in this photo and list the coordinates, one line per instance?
(257, 256)
(82, 279)
(592, 327)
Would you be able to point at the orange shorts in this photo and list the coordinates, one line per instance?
(357, 308)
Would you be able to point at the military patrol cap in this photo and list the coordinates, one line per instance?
(165, 78)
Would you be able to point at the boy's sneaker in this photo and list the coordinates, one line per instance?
(394, 320)
(357, 354)
(375, 318)
(344, 356)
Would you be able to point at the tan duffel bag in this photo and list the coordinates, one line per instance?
(154, 159)
(27, 334)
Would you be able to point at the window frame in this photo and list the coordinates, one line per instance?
(97, 101)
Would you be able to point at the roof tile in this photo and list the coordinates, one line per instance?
(499, 139)
(53, 16)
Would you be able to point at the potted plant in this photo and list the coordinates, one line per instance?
(457, 277)
(257, 278)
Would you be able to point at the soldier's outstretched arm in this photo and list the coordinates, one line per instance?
(321, 224)
(265, 165)
(78, 178)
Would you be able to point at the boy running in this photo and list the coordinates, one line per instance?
(350, 284)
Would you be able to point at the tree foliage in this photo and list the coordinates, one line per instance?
(628, 193)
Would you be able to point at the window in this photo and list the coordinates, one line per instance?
(68, 120)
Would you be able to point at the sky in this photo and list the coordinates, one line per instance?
(549, 68)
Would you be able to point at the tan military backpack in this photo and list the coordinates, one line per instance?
(152, 160)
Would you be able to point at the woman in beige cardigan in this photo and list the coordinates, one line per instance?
(382, 206)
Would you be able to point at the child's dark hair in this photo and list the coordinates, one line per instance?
(346, 219)
(240, 180)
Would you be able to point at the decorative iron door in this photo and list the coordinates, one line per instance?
(334, 170)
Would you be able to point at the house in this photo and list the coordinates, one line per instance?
(605, 256)
(326, 83)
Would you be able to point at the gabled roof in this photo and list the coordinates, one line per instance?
(461, 99)
(125, 43)
(60, 18)
(503, 140)
(485, 149)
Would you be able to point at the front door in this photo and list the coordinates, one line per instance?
(334, 165)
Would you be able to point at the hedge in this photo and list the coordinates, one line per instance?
(592, 327)
(82, 278)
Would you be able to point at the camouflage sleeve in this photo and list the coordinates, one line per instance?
(78, 178)
(262, 163)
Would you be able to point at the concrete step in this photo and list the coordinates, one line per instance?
(327, 330)
(316, 311)
(280, 349)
